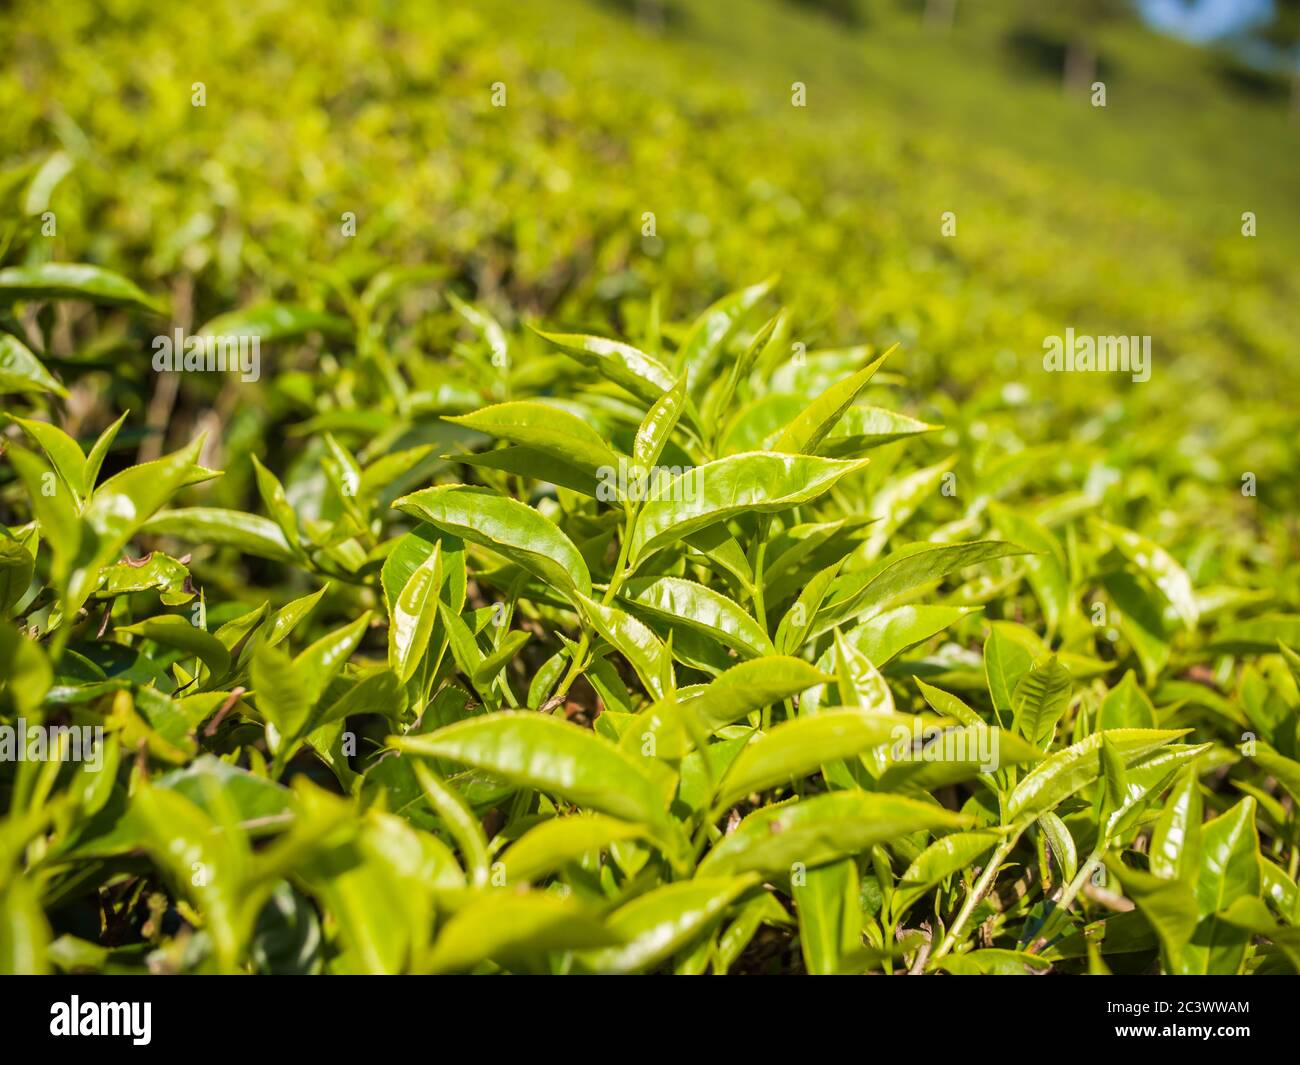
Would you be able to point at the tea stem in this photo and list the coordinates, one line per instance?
(977, 893)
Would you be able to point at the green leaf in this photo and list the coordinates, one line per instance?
(1169, 907)
(63, 452)
(17, 566)
(250, 534)
(993, 961)
(1229, 862)
(376, 888)
(172, 631)
(657, 426)
(22, 371)
(640, 374)
(720, 393)
(700, 608)
(792, 632)
(1159, 567)
(950, 756)
(665, 920)
(863, 428)
(946, 704)
(1062, 844)
(634, 641)
(798, 747)
(507, 927)
(1009, 654)
(1285, 771)
(859, 682)
(545, 427)
(1229, 873)
(940, 860)
(95, 458)
(321, 662)
(1047, 571)
(276, 321)
(495, 661)
(861, 593)
(1251, 915)
(550, 846)
(414, 612)
(461, 823)
(1140, 621)
(898, 499)
(201, 861)
(24, 931)
(508, 527)
(822, 829)
(465, 650)
(1143, 781)
(1175, 851)
(378, 693)
(117, 510)
(1259, 635)
(25, 671)
(1067, 771)
(752, 686)
(52, 505)
(277, 502)
(413, 550)
(72, 281)
(1115, 791)
(892, 632)
(1126, 706)
(753, 483)
(486, 326)
(829, 910)
(285, 620)
(535, 751)
(389, 282)
(536, 465)
(810, 427)
(754, 912)
(703, 343)
(344, 473)
(1040, 698)
(280, 690)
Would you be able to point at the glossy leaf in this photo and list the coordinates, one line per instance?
(540, 752)
(821, 829)
(73, 281)
(700, 608)
(757, 482)
(414, 612)
(664, 920)
(512, 529)
(796, 748)
(553, 844)
(22, 371)
(545, 427)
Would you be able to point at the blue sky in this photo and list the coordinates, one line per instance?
(1204, 20)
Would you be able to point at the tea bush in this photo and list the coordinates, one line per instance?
(524, 600)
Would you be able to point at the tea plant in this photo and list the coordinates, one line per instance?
(689, 654)
(514, 599)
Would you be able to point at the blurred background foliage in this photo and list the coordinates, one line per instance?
(1125, 219)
